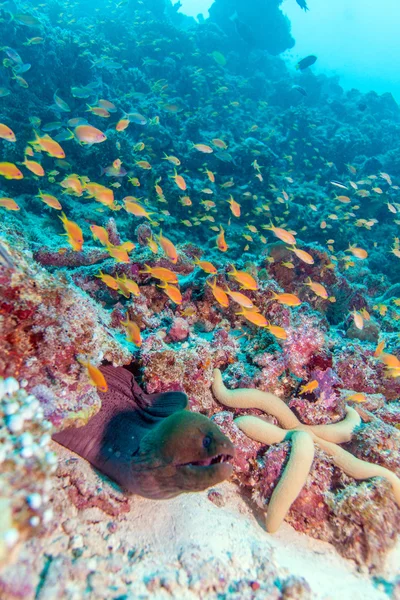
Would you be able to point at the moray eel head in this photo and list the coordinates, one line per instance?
(186, 452)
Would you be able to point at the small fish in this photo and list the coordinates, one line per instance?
(87, 134)
(317, 288)
(49, 200)
(60, 103)
(7, 134)
(278, 332)
(219, 143)
(110, 281)
(309, 387)
(172, 292)
(235, 206)
(73, 232)
(172, 159)
(137, 118)
(358, 320)
(306, 62)
(240, 299)
(9, 204)
(101, 234)
(122, 124)
(245, 280)
(168, 248)
(281, 234)
(358, 397)
(302, 255)
(135, 209)
(161, 273)
(358, 252)
(219, 294)
(221, 243)
(339, 184)
(286, 299)
(254, 317)
(132, 332)
(203, 148)
(119, 253)
(95, 375)
(206, 266)
(10, 171)
(35, 167)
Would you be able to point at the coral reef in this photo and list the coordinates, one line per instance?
(27, 468)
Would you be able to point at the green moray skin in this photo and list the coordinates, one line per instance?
(149, 444)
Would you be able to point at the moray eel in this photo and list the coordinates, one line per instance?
(149, 444)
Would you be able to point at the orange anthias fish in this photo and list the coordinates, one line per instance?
(87, 134)
(34, 167)
(101, 234)
(100, 193)
(73, 233)
(219, 143)
(72, 184)
(221, 243)
(302, 255)
(240, 299)
(132, 332)
(254, 317)
(161, 273)
(122, 124)
(286, 299)
(9, 204)
(6, 133)
(379, 349)
(179, 180)
(119, 253)
(172, 292)
(281, 234)
(218, 293)
(358, 320)
(168, 248)
(317, 288)
(129, 285)
(136, 209)
(309, 387)
(357, 252)
(278, 332)
(49, 200)
(109, 280)
(206, 266)
(10, 171)
(358, 397)
(245, 280)
(48, 145)
(203, 148)
(235, 207)
(95, 375)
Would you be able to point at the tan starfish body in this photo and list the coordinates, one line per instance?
(298, 467)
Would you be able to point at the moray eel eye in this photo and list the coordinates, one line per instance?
(207, 441)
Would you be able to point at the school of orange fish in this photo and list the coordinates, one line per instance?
(77, 130)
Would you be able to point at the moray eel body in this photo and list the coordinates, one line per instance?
(149, 444)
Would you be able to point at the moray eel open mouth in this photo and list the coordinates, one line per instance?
(209, 461)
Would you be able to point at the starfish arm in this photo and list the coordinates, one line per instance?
(251, 398)
(265, 433)
(340, 432)
(296, 471)
(292, 480)
(357, 468)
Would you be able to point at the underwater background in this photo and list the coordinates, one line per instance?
(190, 190)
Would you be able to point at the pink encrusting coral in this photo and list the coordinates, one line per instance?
(46, 324)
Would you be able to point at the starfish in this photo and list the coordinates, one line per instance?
(302, 437)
